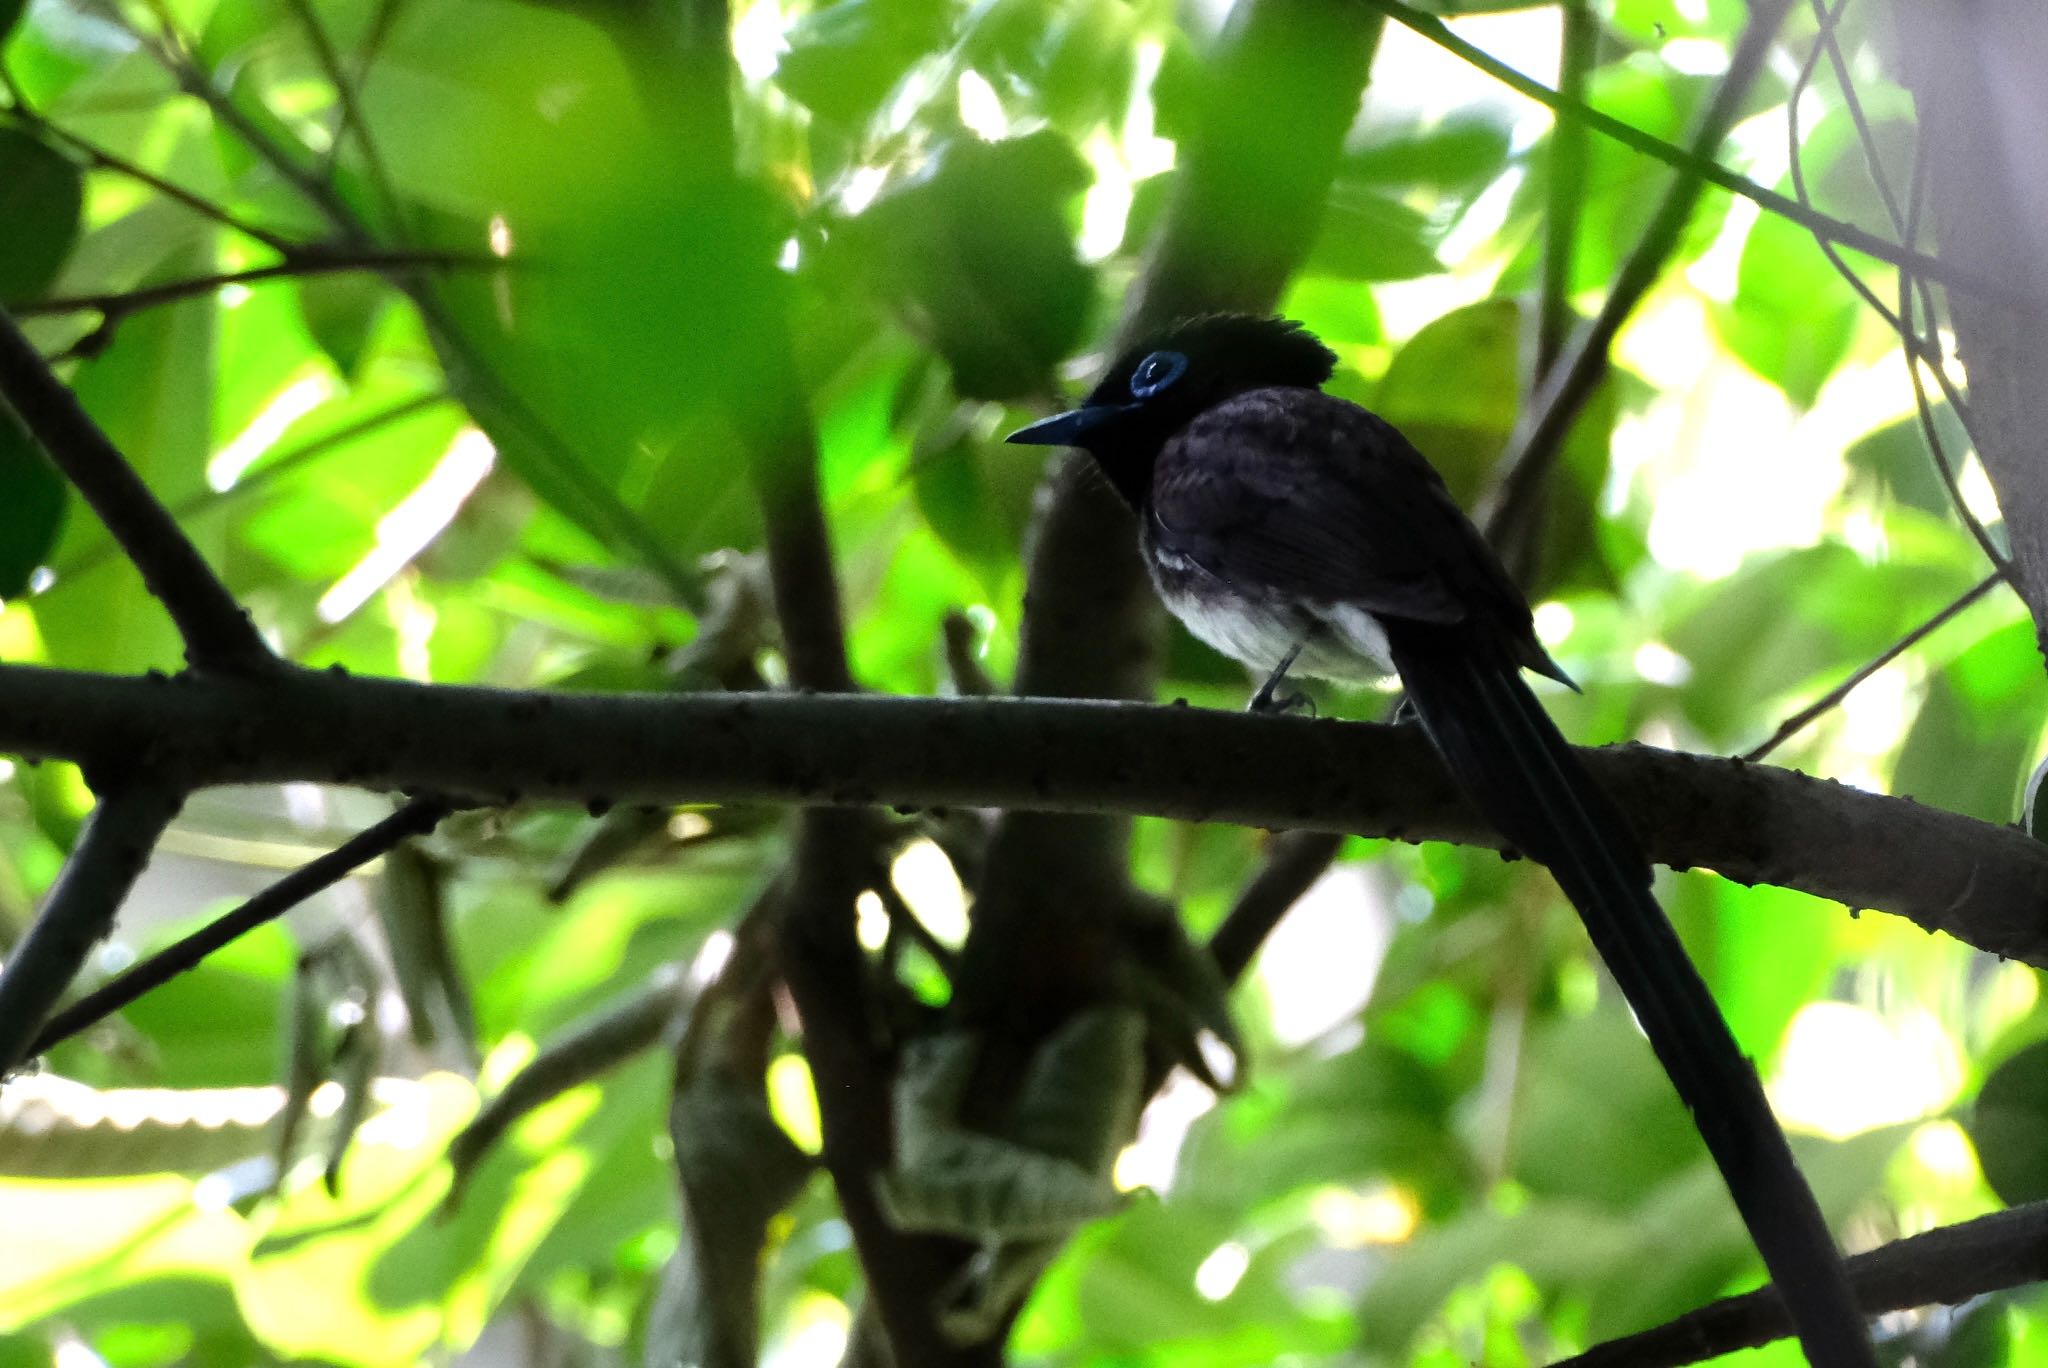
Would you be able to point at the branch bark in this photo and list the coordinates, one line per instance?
(1982, 883)
(111, 852)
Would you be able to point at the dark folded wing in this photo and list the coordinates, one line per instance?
(1297, 492)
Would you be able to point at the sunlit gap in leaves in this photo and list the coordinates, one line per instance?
(409, 528)
(757, 40)
(1217, 1276)
(1317, 968)
(286, 407)
(1845, 1069)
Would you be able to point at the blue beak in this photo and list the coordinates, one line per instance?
(1069, 429)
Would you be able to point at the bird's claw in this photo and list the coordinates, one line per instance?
(1271, 700)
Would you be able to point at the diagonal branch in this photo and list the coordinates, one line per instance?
(1798, 721)
(1538, 440)
(416, 818)
(304, 262)
(217, 631)
(101, 159)
(112, 849)
(1948, 1265)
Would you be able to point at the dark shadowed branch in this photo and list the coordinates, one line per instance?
(1949, 1265)
(1982, 883)
(216, 629)
(112, 849)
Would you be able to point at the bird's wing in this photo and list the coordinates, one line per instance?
(1309, 496)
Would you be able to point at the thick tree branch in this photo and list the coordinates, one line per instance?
(112, 849)
(1949, 1265)
(1982, 883)
(216, 629)
(416, 818)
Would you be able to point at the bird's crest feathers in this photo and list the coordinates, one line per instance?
(1225, 353)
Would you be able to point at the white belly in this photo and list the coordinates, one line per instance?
(1338, 641)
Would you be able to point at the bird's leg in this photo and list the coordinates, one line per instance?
(1269, 698)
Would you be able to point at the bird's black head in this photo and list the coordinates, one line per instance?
(1158, 386)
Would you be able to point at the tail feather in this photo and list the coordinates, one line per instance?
(1506, 753)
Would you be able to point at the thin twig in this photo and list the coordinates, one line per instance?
(351, 115)
(216, 629)
(104, 160)
(586, 1049)
(1537, 442)
(1798, 721)
(482, 385)
(1904, 222)
(415, 818)
(1847, 234)
(120, 303)
(110, 854)
(1823, 43)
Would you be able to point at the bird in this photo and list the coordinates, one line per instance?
(1298, 532)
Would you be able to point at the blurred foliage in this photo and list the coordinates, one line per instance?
(1469, 1156)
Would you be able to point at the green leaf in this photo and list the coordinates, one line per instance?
(341, 311)
(1796, 618)
(41, 195)
(1893, 461)
(846, 56)
(1971, 745)
(151, 390)
(10, 14)
(1595, 1117)
(1462, 424)
(1461, 155)
(977, 250)
(1792, 318)
(1369, 235)
(33, 497)
(2008, 1126)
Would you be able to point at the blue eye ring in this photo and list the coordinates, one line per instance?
(1156, 372)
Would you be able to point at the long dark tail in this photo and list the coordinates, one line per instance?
(1506, 753)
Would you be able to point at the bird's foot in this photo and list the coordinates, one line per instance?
(1271, 699)
(1273, 696)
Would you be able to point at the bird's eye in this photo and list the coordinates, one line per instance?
(1156, 372)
